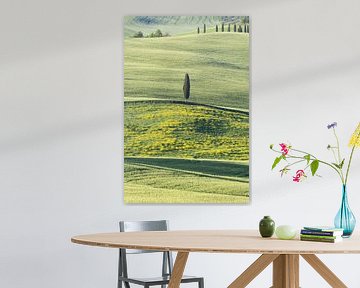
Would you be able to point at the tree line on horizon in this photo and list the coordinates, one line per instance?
(235, 28)
(155, 34)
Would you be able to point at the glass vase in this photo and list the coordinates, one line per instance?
(345, 219)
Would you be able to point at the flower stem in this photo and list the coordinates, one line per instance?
(350, 159)
(304, 152)
(338, 171)
(338, 146)
(313, 158)
(333, 152)
(339, 156)
(296, 162)
(348, 167)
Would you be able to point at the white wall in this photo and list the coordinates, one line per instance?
(61, 145)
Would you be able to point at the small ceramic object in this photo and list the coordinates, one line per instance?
(266, 227)
(285, 232)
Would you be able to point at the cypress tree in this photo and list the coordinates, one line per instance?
(222, 27)
(239, 29)
(204, 28)
(217, 28)
(186, 87)
(234, 27)
(248, 28)
(198, 30)
(229, 27)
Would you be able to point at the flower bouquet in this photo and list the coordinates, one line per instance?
(292, 157)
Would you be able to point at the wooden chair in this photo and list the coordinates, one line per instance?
(167, 262)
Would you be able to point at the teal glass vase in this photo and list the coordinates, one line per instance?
(345, 219)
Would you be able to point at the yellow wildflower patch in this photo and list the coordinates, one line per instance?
(355, 138)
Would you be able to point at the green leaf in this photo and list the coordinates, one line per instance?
(314, 166)
(336, 165)
(339, 166)
(342, 163)
(276, 162)
(271, 146)
(307, 157)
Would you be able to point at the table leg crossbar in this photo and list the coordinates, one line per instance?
(254, 270)
(324, 271)
(178, 270)
(285, 271)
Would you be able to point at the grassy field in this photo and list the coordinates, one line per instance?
(155, 68)
(194, 151)
(153, 184)
(233, 170)
(175, 25)
(185, 131)
(156, 130)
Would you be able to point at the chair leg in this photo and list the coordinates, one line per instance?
(201, 283)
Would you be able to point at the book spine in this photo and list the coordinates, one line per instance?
(319, 233)
(317, 239)
(319, 236)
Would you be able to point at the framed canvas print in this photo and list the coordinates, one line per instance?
(186, 109)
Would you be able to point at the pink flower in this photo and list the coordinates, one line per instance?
(300, 175)
(284, 148)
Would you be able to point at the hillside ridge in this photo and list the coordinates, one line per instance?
(165, 20)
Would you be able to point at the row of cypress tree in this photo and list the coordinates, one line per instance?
(235, 28)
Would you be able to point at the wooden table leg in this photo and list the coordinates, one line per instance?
(286, 271)
(178, 269)
(293, 262)
(253, 270)
(324, 271)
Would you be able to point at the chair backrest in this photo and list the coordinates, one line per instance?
(138, 226)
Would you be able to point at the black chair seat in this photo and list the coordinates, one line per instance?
(158, 280)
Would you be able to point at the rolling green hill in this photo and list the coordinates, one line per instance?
(168, 152)
(173, 24)
(185, 131)
(218, 65)
(229, 170)
(177, 150)
(152, 184)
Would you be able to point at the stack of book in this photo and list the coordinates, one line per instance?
(321, 234)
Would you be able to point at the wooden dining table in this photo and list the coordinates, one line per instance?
(283, 254)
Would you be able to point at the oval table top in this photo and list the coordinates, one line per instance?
(217, 241)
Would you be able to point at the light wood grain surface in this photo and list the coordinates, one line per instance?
(178, 270)
(324, 271)
(253, 270)
(220, 241)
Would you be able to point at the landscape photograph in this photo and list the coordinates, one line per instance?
(186, 109)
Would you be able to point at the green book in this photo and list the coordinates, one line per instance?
(324, 239)
(319, 236)
(324, 228)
